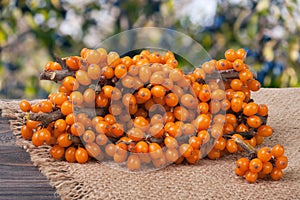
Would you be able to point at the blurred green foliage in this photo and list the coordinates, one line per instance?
(32, 31)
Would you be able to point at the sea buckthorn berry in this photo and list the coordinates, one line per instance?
(88, 136)
(281, 162)
(107, 72)
(44, 135)
(57, 152)
(276, 174)
(265, 131)
(250, 109)
(242, 164)
(102, 100)
(93, 57)
(171, 99)
(195, 142)
(25, 106)
(245, 75)
(251, 176)
(241, 54)
(70, 83)
(239, 172)
(225, 104)
(199, 73)
(120, 71)
(255, 165)
(236, 104)
(82, 77)
(236, 84)
(181, 113)
(218, 94)
(141, 147)
(102, 54)
(158, 91)
(157, 78)
(241, 128)
(239, 94)
(254, 121)
(94, 151)
(188, 100)
(186, 150)
(36, 141)
(202, 122)
(277, 150)
(204, 136)
(144, 94)
(155, 151)
(26, 132)
(77, 129)
(81, 155)
(157, 130)
(70, 154)
(208, 67)
(217, 130)
(170, 142)
(155, 57)
(101, 139)
(172, 154)
(222, 64)
(220, 144)
(259, 139)
(60, 125)
(128, 99)
(264, 154)
(94, 71)
(214, 154)
(76, 98)
(133, 162)
(136, 134)
(196, 155)
(253, 85)
(263, 110)
(72, 63)
(230, 55)
(45, 106)
(176, 74)
(267, 168)
(66, 108)
(172, 62)
(231, 146)
(64, 140)
(120, 154)
(110, 149)
(238, 65)
(60, 98)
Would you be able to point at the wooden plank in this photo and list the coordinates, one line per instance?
(19, 179)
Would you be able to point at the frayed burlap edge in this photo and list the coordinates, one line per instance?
(53, 170)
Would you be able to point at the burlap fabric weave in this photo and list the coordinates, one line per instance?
(206, 180)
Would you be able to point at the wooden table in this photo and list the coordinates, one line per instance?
(19, 179)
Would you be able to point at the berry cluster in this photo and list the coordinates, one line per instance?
(145, 110)
(265, 162)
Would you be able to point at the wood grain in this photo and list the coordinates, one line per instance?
(19, 179)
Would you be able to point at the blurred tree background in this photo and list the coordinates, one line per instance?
(31, 31)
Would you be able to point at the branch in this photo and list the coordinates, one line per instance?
(46, 118)
(56, 75)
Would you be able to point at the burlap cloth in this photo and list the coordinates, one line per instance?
(206, 180)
